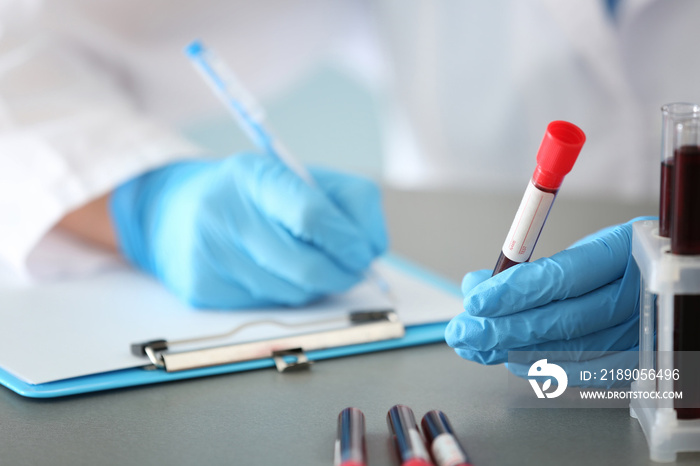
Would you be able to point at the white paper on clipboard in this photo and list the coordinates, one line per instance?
(85, 326)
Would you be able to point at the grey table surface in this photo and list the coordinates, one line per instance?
(264, 417)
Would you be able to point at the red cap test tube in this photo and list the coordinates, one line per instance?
(408, 441)
(350, 445)
(556, 157)
(442, 441)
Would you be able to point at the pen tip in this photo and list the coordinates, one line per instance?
(195, 48)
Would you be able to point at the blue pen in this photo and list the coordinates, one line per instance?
(250, 117)
(242, 105)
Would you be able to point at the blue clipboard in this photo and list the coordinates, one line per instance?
(415, 335)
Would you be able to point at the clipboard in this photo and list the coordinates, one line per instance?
(346, 332)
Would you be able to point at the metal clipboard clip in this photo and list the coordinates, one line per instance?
(288, 352)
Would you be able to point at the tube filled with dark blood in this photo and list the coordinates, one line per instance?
(685, 240)
(668, 113)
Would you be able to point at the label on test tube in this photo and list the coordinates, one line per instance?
(447, 451)
(419, 450)
(444, 445)
(527, 224)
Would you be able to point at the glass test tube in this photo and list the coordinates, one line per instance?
(350, 444)
(669, 114)
(556, 156)
(685, 240)
(409, 444)
(442, 441)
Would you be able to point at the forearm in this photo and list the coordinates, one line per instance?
(92, 223)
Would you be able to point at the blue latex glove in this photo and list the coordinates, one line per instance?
(581, 299)
(247, 232)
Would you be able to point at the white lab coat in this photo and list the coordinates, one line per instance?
(91, 91)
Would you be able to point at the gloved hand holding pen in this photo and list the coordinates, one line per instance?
(245, 231)
(584, 298)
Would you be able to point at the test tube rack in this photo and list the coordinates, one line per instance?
(663, 275)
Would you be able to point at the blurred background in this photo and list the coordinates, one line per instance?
(329, 118)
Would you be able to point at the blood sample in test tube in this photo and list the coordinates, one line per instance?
(408, 441)
(685, 241)
(350, 444)
(560, 147)
(669, 113)
(442, 441)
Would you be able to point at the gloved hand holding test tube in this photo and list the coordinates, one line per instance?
(582, 300)
(250, 117)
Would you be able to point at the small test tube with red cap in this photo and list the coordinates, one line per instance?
(442, 441)
(556, 157)
(408, 441)
(350, 444)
